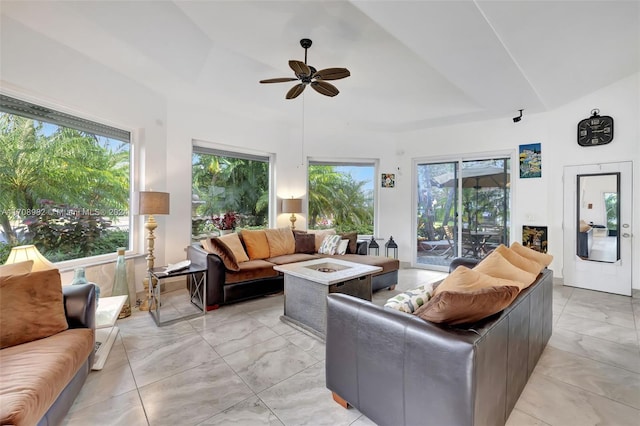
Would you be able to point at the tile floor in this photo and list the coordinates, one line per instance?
(240, 365)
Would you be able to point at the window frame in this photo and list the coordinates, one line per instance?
(204, 147)
(135, 227)
(329, 161)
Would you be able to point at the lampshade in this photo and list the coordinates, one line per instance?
(152, 202)
(29, 252)
(292, 205)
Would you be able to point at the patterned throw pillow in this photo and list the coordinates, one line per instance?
(342, 247)
(411, 300)
(329, 244)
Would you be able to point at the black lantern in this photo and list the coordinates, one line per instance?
(391, 248)
(374, 248)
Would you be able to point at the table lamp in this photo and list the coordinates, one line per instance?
(151, 203)
(293, 206)
(29, 252)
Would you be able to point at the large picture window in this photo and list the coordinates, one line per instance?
(230, 190)
(64, 183)
(341, 196)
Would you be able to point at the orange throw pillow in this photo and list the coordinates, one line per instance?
(452, 307)
(281, 241)
(542, 258)
(31, 307)
(497, 266)
(520, 261)
(255, 240)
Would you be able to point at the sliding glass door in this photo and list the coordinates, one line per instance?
(462, 209)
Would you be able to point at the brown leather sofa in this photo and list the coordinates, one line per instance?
(398, 369)
(32, 375)
(260, 279)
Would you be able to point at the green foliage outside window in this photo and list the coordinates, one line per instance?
(61, 189)
(338, 200)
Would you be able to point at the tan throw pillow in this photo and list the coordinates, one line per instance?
(584, 226)
(31, 307)
(465, 280)
(542, 258)
(497, 266)
(16, 268)
(520, 261)
(232, 241)
(215, 246)
(320, 234)
(255, 240)
(452, 307)
(281, 241)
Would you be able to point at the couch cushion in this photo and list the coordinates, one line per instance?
(518, 260)
(292, 258)
(31, 307)
(233, 243)
(281, 241)
(386, 263)
(410, 300)
(542, 258)
(251, 270)
(452, 307)
(33, 374)
(497, 266)
(215, 246)
(255, 240)
(463, 279)
(16, 268)
(320, 234)
(305, 243)
(353, 241)
(329, 244)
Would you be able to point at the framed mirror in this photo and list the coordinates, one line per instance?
(598, 217)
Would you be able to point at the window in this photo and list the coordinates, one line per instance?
(228, 183)
(341, 196)
(64, 183)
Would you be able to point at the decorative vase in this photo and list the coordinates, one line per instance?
(120, 283)
(80, 278)
(225, 231)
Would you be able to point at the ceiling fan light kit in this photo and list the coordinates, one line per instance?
(309, 76)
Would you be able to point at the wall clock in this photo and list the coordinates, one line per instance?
(595, 130)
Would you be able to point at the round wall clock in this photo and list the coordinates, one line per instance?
(595, 130)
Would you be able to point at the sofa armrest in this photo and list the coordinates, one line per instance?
(362, 247)
(80, 305)
(463, 261)
(391, 365)
(216, 273)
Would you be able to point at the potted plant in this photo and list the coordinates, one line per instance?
(225, 223)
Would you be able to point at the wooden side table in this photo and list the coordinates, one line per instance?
(197, 276)
(106, 330)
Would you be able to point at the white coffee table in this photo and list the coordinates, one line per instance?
(307, 284)
(106, 330)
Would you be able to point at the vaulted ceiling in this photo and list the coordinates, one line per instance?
(414, 64)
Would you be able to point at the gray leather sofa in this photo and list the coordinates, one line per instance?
(398, 369)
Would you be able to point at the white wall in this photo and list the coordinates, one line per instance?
(38, 69)
(540, 201)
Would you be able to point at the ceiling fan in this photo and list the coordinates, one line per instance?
(309, 76)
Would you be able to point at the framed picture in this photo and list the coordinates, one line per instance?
(535, 237)
(530, 160)
(388, 180)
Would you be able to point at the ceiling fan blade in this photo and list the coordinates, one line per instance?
(300, 68)
(332, 74)
(295, 91)
(325, 88)
(278, 80)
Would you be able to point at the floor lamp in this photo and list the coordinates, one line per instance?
(151, 203)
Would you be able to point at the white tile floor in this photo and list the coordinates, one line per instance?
(240, 365)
